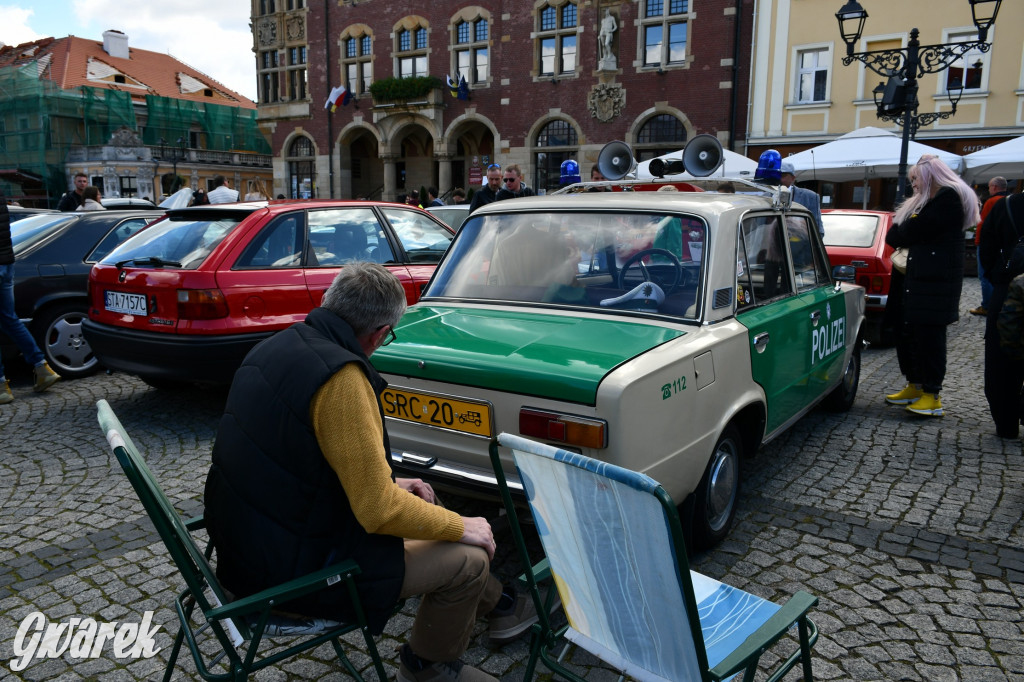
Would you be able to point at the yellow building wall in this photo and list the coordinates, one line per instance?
(784, 27)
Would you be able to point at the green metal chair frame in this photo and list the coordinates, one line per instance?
(246, 621)
(545, 638)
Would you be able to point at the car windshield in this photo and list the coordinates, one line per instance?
(180, 241)
(849, 229)
(423, 239)
(646, 262)
(33, 230)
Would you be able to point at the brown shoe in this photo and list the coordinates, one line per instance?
(5, 393)
(980, 310)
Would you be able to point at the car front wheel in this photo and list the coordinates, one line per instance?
(717, 495)
(58, 331)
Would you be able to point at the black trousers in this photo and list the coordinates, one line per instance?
(1004, 376)
(921, 352)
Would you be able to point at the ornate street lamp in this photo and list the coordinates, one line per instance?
(897, 100)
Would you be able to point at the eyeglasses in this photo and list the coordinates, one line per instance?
(494, 166)
(510, 179)
(390, 337)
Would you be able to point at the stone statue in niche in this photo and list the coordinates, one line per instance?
(606, 36)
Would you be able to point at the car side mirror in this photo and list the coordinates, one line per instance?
(844, 273)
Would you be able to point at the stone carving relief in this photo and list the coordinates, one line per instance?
(606, 101)
(295, 29)
(266, 31)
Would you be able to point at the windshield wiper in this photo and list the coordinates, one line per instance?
(149, 260)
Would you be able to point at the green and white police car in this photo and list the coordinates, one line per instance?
(669, 333)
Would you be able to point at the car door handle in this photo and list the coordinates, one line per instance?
(815, 317)
(761, 342)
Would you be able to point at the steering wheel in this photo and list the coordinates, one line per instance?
(637, 257)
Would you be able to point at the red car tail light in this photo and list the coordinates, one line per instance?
(876, 284)
(201, 304)
(563, 428)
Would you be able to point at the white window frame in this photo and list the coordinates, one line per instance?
(472, 48)
(825, 63)
(665, 21)
(559, 34)
(362, 61)
(966, 34)
(414, 53)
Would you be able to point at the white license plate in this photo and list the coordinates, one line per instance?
(129, 304)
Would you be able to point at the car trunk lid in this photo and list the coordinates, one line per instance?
(515, 351)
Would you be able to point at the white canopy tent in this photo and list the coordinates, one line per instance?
(863, 154)
(733, 165)
(1005, 159)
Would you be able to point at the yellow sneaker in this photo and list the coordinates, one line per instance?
(45, 377)
(5, 395)
(908, 395)
(928, 405)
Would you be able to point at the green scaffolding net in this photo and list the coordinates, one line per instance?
(40, 123)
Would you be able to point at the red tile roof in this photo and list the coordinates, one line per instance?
(73, 59)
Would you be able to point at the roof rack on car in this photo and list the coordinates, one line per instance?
(700, 158)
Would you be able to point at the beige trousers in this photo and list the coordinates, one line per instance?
(457, 588)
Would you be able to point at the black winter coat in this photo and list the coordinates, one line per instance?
(275, 509)
(935, 262)
(998, 239)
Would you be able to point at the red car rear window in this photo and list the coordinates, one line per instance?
(181, 241)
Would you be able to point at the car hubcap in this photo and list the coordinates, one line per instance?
(722, 485)
(850, 378)
(66, 345)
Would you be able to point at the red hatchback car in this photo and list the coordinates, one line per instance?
(185, 299)
(857, 238)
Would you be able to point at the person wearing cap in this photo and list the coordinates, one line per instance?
(805, 197)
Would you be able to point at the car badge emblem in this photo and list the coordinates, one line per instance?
(121, 276)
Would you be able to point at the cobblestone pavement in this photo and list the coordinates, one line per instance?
(908, 530)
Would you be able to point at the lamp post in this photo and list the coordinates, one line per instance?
(177, 153)
(897, 100)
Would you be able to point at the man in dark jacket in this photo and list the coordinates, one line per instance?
(514, 185)
(301, 478)
(1004, 376)
(488, 192)
(73, 199)
(10, 323)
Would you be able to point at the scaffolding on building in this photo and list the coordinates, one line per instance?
(41, 122)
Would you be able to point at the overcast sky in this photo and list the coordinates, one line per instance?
(212, 36)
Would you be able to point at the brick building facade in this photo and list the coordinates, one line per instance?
(547, 80)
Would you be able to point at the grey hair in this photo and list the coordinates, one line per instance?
(999, 181)
(367, 296)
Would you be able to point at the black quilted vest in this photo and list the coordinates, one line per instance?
(275, 509)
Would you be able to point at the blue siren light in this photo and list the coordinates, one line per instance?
(769, 167)
(570, 171)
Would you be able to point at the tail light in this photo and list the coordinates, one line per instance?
(563, 428)
(872, 283)
(201, 304)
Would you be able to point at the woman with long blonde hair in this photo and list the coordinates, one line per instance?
(930, 224)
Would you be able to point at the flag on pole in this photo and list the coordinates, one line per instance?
(340, 96)
(453, 86)
(463, 92)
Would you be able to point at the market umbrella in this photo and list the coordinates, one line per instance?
(1006, 159)
(863, 154)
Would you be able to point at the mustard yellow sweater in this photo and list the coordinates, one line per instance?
(348, 428)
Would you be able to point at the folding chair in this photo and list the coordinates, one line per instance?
(615, 550)
(239, 626)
